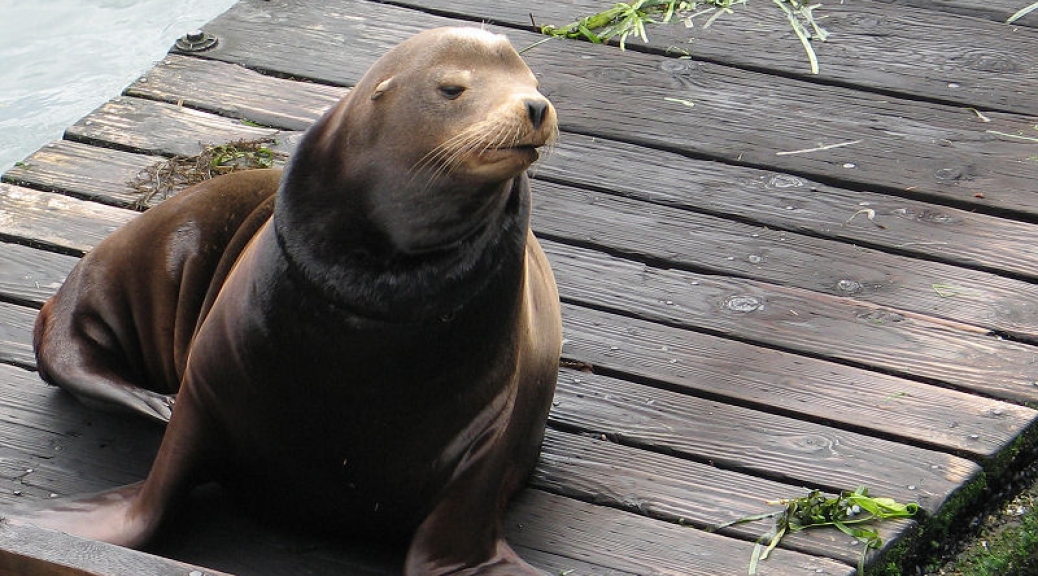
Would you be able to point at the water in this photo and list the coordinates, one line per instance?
(60, 59)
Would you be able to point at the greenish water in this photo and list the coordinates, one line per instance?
(60, 59)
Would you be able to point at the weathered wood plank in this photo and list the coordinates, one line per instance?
(16, 335)
(73, 168)
(689, 240)
(872, 46)
(554, 564)
(777, 200)
(160, 128)
(907, 147)
(236, 92)
(683, 239)
(56, 221)
(29, 276)
(636, 544)
(854, 332)
(37, 552)
(807, 388)
(681, 492)
(774, 199)
(751, 442)
(63, 447)
(997, 10)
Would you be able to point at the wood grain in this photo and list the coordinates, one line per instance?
(778, 200)
(997, 10)
(29, 276)
(236, 92)
(88, 172)
(680, 491)
(39, 552)
(150, 127)
(55, 221)
(670, 237)
(849, 331)
(636, 544)
(16, 335)
(752, 442)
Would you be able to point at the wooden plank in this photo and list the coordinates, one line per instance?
(872, 46)
(16, 335)
(555, 564)
(160, 128)
(73, 168)
(236, 92)
(905, 147)
(31, 551)
(820, 325)
(777, 200)
(681, 492)
(687, 240)
(997, 10)
(62, 447)
(788, 202)
(681, 239)
(803, 387)
(29, 276)
(751, 442)
(639, 545)
(56, 221)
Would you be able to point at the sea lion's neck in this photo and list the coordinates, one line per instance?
(357, 267)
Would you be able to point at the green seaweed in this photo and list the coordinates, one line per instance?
(847, 512)
(624, 19)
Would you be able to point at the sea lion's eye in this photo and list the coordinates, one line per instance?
(451, 91)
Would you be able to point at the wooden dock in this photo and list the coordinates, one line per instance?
(772, 281)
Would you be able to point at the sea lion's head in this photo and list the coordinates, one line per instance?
(427, 146)
(482, 116)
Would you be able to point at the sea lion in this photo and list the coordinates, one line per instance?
(379, 354)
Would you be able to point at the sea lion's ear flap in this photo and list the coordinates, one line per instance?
(382, 87)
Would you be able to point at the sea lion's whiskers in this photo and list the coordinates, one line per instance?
(446, 157)
(444, 149)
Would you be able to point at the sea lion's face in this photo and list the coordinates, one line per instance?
(424, 151)
(458, 116)
(482, 116)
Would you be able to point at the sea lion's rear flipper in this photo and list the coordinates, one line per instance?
(118, 332)
(79, 351)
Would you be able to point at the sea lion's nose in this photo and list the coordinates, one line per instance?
(537, 109)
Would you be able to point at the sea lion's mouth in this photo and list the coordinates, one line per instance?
(529, 151)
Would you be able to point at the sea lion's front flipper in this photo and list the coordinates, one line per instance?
(130, 515)
(462, 536)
